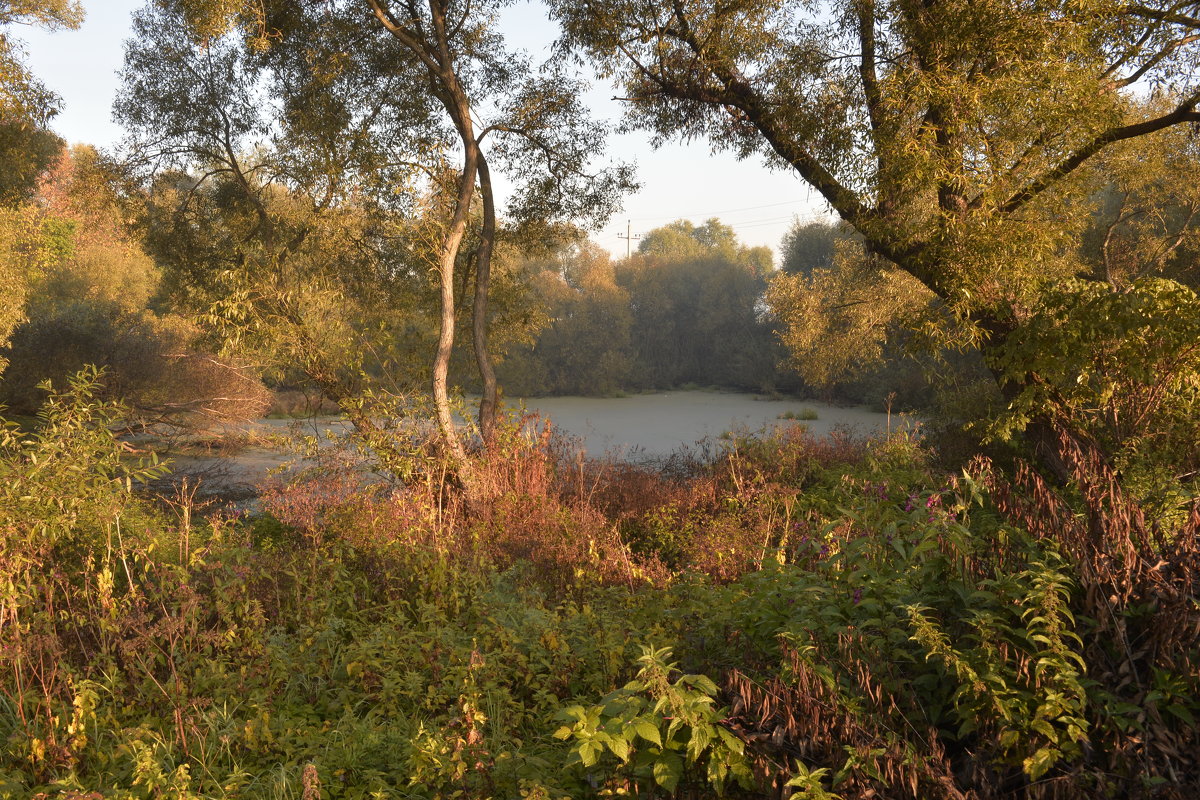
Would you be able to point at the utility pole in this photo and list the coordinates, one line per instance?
(628, 237)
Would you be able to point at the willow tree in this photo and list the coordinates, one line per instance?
(948, 133)
(27, 146)
(432, 100)
(258, 221)
(1146, 218)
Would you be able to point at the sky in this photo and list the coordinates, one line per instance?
(682, 180)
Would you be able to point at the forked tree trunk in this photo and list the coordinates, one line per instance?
(432, 47)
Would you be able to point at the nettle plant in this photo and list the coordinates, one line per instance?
(662, 729)
(908, 635)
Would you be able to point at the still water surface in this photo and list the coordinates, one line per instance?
(649, 425)
(644, 426)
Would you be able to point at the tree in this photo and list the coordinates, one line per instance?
(27, 147)
(1126, 361)
(27, 247)
(585, 346)
(105, 265)
(258, 230)
(88, 286)
(1146, 217)
(837, 321)
(451, 41)
(26, 150)
(809, 246)
(682, 240)
(695, 293)
(948, 134)
(421, 87)
(686, 308)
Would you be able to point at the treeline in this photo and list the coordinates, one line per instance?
(686, 309)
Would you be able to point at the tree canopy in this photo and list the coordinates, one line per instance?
(937, 130)
(27, 146)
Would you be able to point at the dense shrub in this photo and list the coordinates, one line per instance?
(149, 366)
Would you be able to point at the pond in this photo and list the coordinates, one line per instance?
(637, 427)
(653, 425)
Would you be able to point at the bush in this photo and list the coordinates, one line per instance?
(148, 361)
(1121, 367)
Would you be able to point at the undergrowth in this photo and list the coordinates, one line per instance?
(794, 617)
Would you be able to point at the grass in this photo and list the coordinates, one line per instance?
(804, 414)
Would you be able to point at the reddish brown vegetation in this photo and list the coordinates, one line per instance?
(561, 513)
(1139, 585)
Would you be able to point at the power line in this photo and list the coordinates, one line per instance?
(628, 237)
(750, 223)
(756, 223)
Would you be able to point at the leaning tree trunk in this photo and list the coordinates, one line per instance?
(447, 258)
(431, 46)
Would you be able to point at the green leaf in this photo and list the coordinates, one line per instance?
(1043, 727)
(647, 730)
(703, 683)
(1182, 713)
(619, 747)
(667, 771)
(731, 741)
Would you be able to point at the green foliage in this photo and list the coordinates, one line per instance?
(811, 783)
(27, 146)
(695, 295)
(966, 629)
(842, 321)
(835, 617)
(894, 138)
(809, 246)
(1146, 218)
(83, 288)
(1122, 365)
(585, 347)
(684, 310)
(28, 151)
(662, 731)
(71, 472)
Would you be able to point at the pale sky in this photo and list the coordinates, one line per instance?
(680, 180)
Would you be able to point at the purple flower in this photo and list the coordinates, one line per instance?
(857, 596)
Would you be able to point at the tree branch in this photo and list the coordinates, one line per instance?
(1184, 112)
